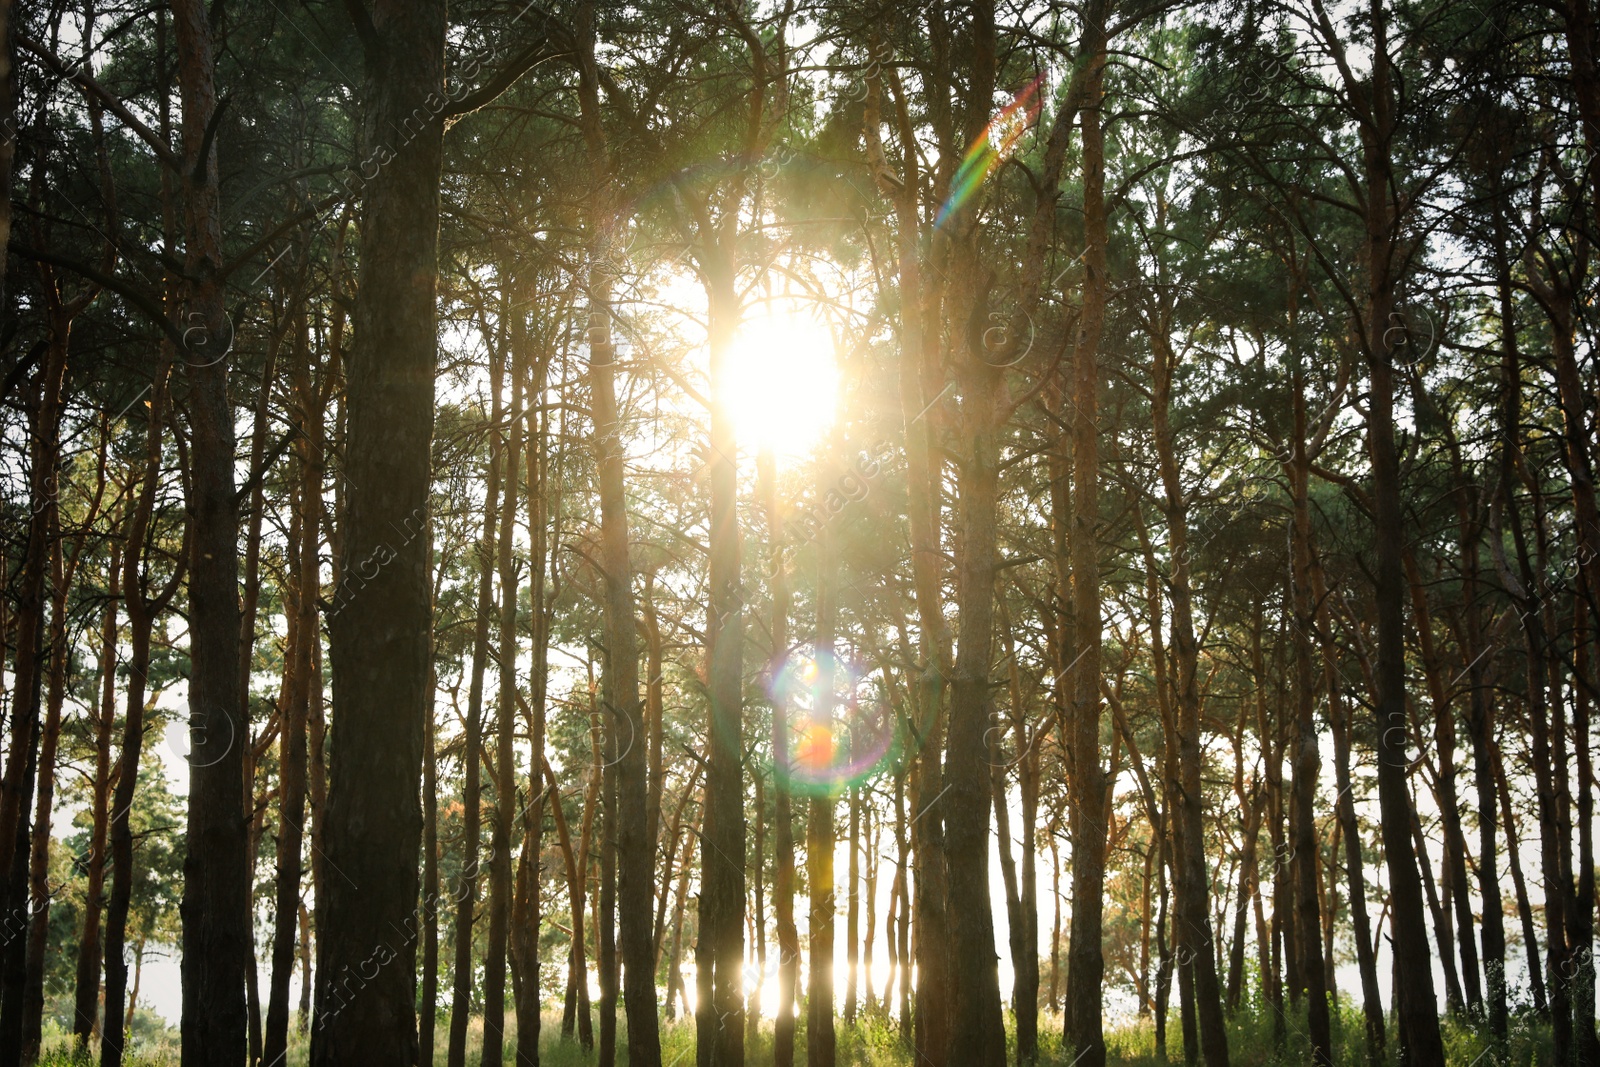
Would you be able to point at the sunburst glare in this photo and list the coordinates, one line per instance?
(783, 380)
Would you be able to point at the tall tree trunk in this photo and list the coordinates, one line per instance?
(1530, 934)
(1085, 958)
(379, 637)
(86, 998)
(466, 891)
(1191, 877)
(852, 896)
(1453, 877)
(814, 761)
(783, 859)
(527, 905)
(635, 829)
(1306, 760)
(719, 952)
(305, 589)
(921, 389)
(1022, 905)
(605, 910)
(1545, 768)
(505, 789)
(64, 569)
(1480, 707)
(1418, 1009)
(141, 611)
(429, 1010)
(24, 751)
(217, 942)
(1345, 808)
(577, 967)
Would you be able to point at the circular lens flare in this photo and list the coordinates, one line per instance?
(830, 744)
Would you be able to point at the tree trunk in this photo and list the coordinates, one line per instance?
(505, 790)
(783, 859)
(1085, 958)
(1306, 760)
(141, 611)
(719, 952)
(63, 572)
(636, 831)
(814, 761)
(1418, 1009)
(217, 941)
(24, 751)
(528, 904)
(605, 912)
(86, 999)
(466, 892)
(1191, 877)
(577, 983)
(379, 636)
(852, 896)
(305, 590)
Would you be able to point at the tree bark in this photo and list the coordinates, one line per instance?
(379, 635)
(814, 761)
(141, 611)
(635, 830)
(217, 941)
(719, 952)
(1418, 1009)
(1085, 958)
(505, 789)
(783, 858)
(86, 998)
(304, 592)
(466, 892)
(1306, 760)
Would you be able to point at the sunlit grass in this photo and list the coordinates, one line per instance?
(873, 1041)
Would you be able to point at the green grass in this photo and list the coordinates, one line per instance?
(874, 1042)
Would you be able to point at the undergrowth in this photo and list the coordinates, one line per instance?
(1253, 1041)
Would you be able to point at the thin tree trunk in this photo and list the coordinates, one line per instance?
(783, 858)
(505, 791)
(429, 1010)
(86, 999)
(577, 983)
(64, 568)
(466, 892)
(1085, 959)
(24, 754)
(141, 611)
(1191, 876)
(1306, 760)
(607, 751)
(1453, 876)
(814, 761)
(852, 922)
(302, 600)
(719, 951)
(528, 904)
(635, 830)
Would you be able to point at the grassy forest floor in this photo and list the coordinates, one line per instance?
(874, 1043)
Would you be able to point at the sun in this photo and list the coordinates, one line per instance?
(783, 381)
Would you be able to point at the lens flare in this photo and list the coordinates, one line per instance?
(829, 750)
(993, 147)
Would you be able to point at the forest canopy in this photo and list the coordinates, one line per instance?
(942, 534)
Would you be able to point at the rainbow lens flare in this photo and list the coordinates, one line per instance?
(992, 148)
(829, 749)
